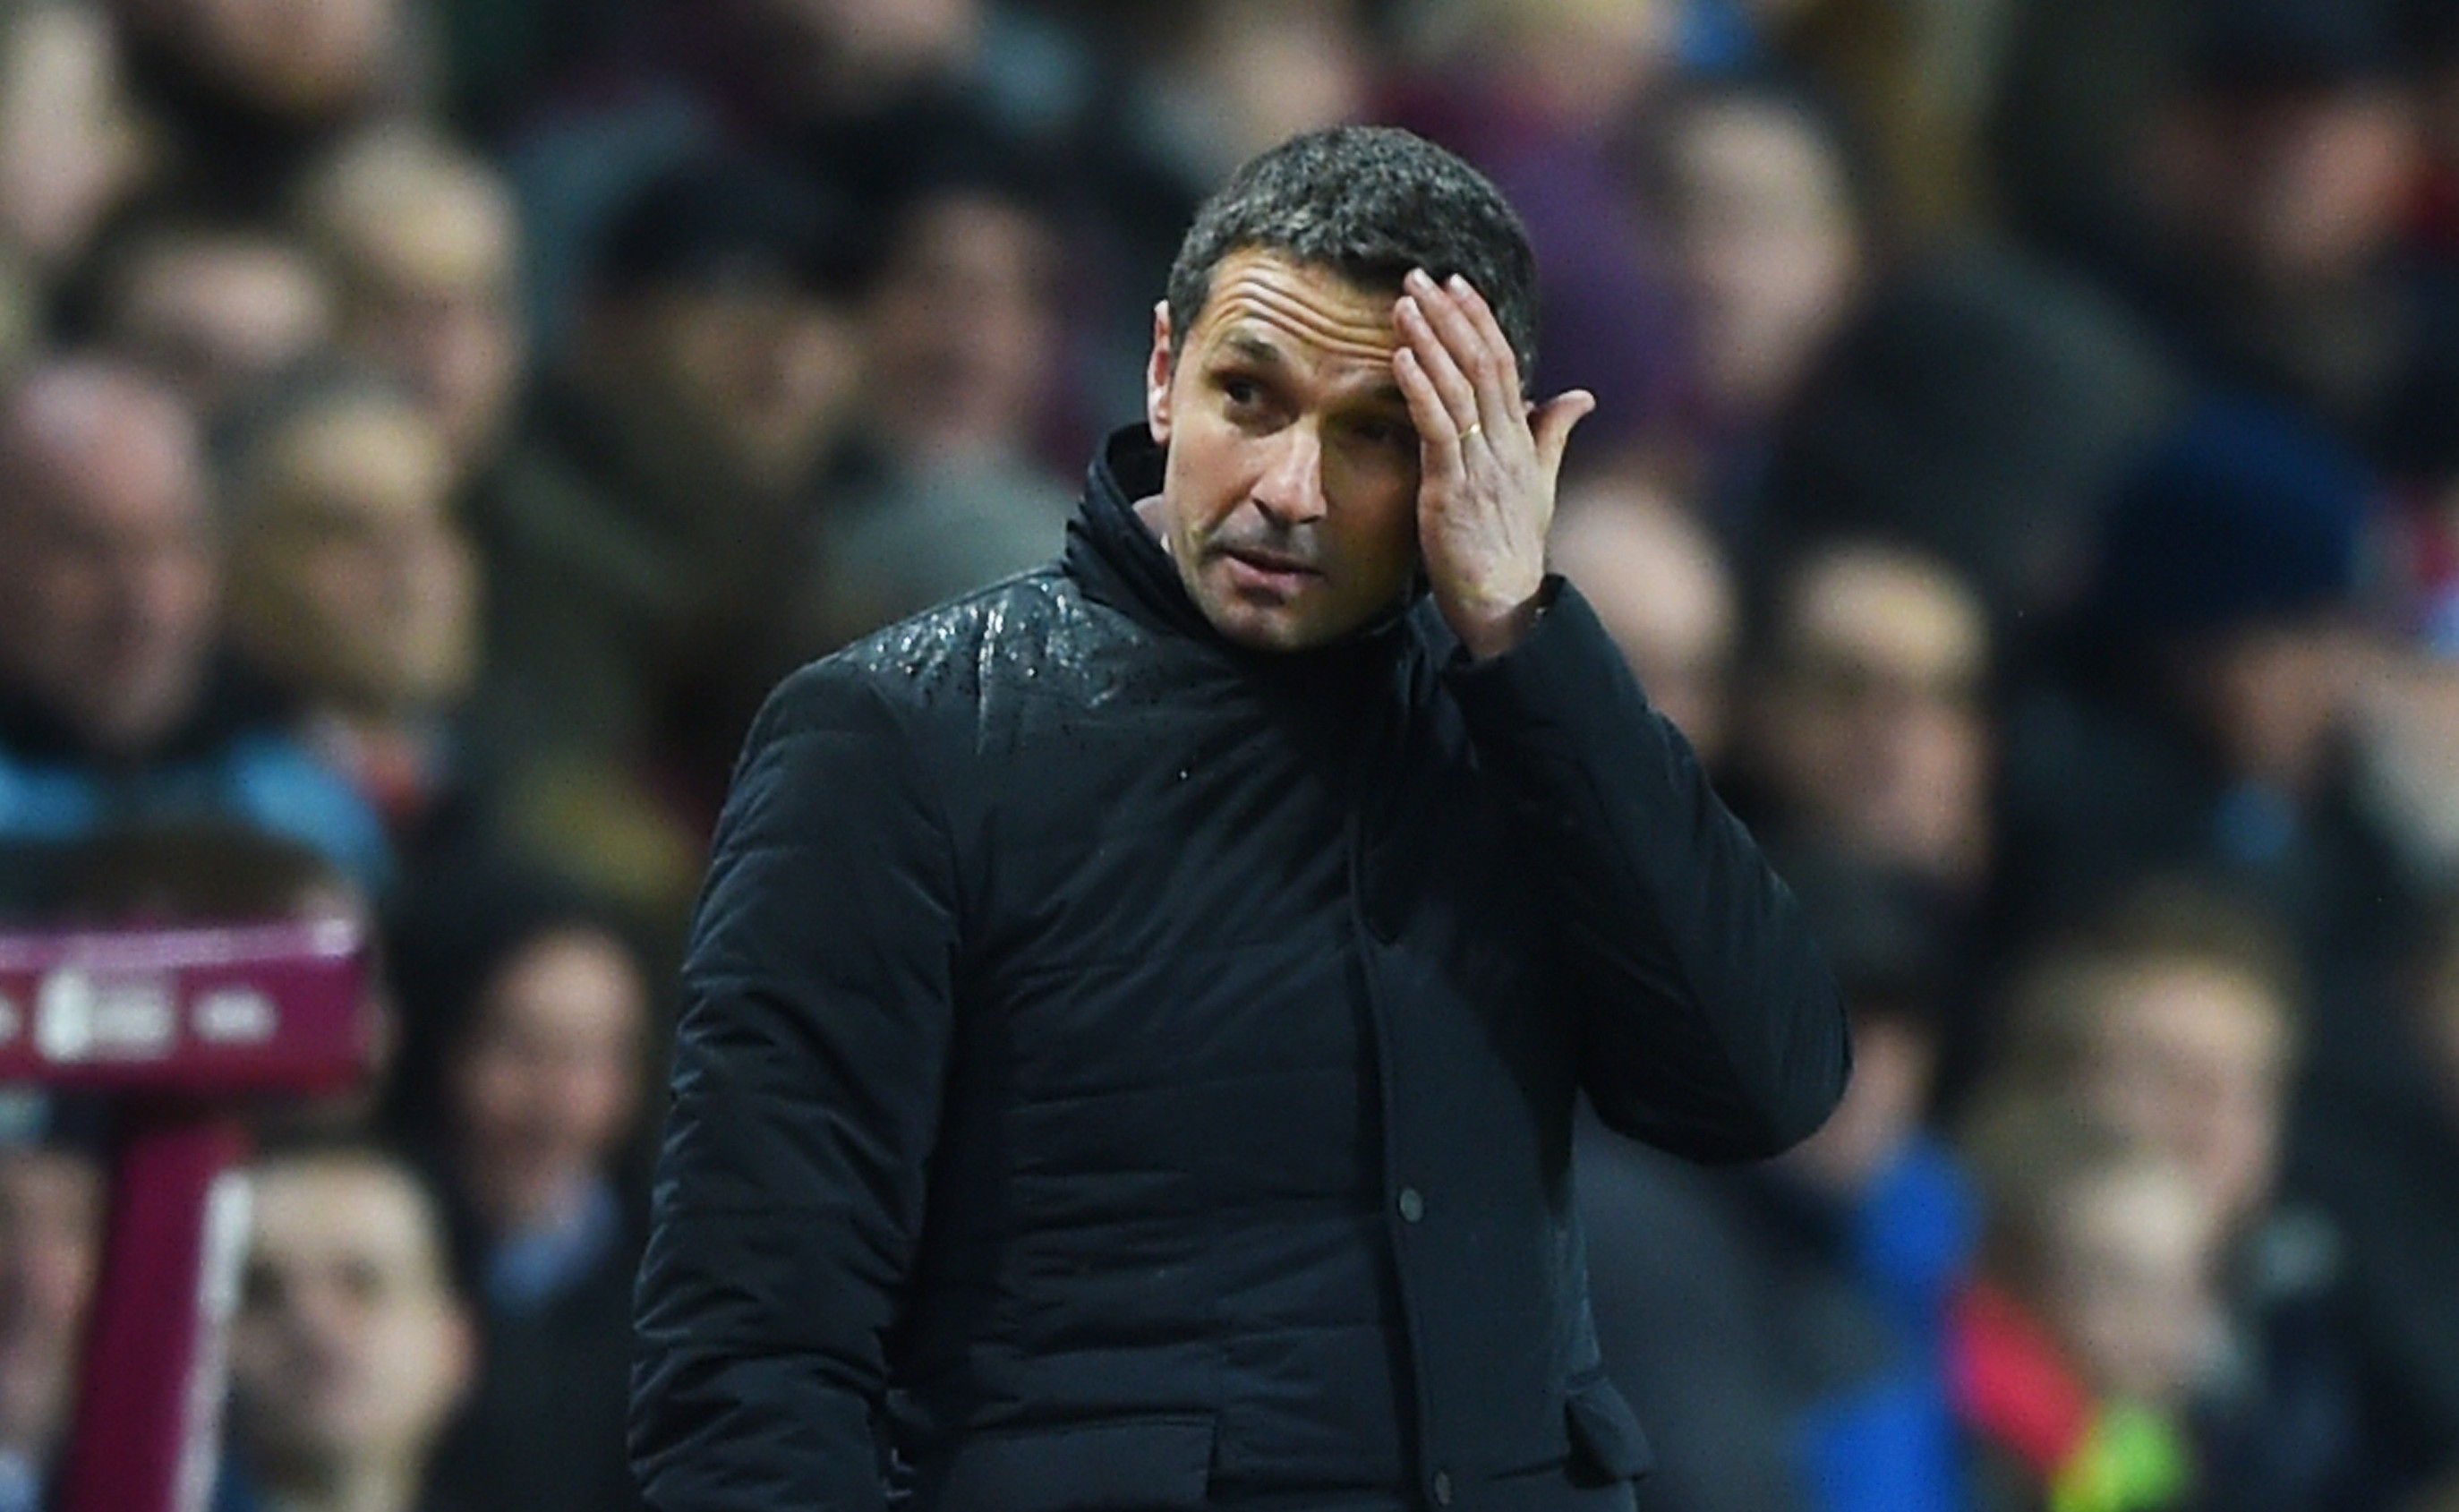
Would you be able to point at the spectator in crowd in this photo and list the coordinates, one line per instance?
(52, 1181)
(2072, 1352)
(1535, 92)
(2075, 84)
(944, 488)
(1867, 725)
(2174, 1017)
(1659, 582)
(216, 310)
(667, 478)
(353, 593)
(1772, 241)
(71, 146)
(424, 240)
(1220, 80)
(1918, 81)
(2205, 722)
(1981, 407)
(251, 92)
(2378, 1153)
(849, 92)
(2277, 173)
(112, 707)
(1786, 1327)
(962, 320)
(350, 1349)
(534, 1012)
(1204, 86)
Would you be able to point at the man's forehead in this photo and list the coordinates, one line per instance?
(335, 1214)
(1263, 298)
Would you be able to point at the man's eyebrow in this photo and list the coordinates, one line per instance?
(1253, 347)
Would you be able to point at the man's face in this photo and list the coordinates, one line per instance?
(545, 1088)
(109, 572)
(347, 1350)
(1871, 726)
(1289, 502)
(1768, 251)
(430, 295)
(214, 318)
(50, 1241)
(351, 579)
(855, 52)
(961, 330)
(762, 372)
(2195, 1059)
(2287, 187)
(68, 147)
(289, 57)
(1664, 594)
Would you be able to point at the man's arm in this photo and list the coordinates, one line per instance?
(806, 1087)
(1713, 1026)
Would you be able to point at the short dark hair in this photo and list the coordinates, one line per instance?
(1369, 202)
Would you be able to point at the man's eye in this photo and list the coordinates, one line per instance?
(1242, 391)
(1386, 433)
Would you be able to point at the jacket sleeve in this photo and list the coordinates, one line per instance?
(806, 1085)
(1709, 1024)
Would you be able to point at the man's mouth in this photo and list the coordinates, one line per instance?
(1267, 574)
(1277, 563)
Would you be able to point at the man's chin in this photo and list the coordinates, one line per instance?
(1260, 627)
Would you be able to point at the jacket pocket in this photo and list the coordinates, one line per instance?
(1146, 1464)
(1606, 1442)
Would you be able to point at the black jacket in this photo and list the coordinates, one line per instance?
(1123, 1070)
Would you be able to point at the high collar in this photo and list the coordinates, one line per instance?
(1119, 561)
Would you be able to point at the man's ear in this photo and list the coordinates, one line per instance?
(1158, 371)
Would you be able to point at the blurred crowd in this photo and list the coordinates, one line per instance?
(2029, 472)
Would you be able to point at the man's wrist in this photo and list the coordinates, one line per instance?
(1489, 632)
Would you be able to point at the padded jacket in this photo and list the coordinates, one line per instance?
(1123, 1070)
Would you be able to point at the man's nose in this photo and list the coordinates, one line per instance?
(1291, 488)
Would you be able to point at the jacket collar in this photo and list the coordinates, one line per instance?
(1114, 554)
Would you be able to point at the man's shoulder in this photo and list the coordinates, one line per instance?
(1023, 632)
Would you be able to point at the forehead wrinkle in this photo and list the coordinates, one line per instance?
(1253, 300)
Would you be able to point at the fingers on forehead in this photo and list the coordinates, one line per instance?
(1439, 354)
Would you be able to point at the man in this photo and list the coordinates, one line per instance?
(1865, 725)
(1135, 1012)
(353, 592)
(112, 707)
(425, 241)
(664, 472)
(218, 310)
(350, 1350)
(1664, 590)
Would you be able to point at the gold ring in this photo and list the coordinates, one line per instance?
(1474, 427)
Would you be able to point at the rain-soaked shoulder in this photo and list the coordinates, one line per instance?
(1002, 638)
